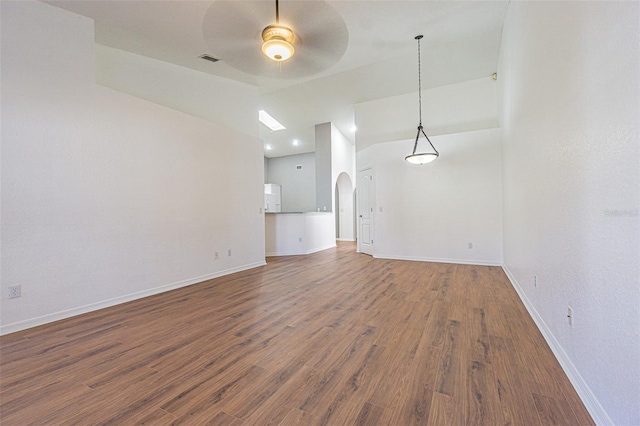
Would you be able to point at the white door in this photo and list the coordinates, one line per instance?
(366, 191)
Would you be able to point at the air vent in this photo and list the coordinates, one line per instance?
(209, 58)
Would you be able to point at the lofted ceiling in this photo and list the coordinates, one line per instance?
(369, 50)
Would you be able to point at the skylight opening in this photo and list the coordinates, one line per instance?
(269, 121)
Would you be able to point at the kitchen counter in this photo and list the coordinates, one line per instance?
(294, 233)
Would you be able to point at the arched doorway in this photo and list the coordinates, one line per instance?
(345, 211)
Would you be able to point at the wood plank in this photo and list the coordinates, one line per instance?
(370, 415)
(276, 408)
(413, 400)
(297, 417)
(553, 411)
(206, 404)
(335, 337)
(345, 408)
(515, 401)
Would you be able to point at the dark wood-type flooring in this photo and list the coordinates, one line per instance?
(333, 338)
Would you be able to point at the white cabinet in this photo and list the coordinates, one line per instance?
(272, 197)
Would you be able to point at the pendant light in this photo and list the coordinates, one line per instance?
(421, 157)
(278, 40)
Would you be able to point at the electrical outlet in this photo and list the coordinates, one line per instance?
(15, 291)
(229, 253)
(217, 255)
(570, 316)
(535, 280)
(470, 245)
(300, 239)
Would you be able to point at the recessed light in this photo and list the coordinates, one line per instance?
(269, 121)
(268, 147)
(354, 128)
(296, 142)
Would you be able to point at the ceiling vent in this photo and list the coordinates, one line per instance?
(208, 58)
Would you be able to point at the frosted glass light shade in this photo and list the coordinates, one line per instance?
(421, 158)
(278, 50)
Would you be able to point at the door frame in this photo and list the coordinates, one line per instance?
(372, 203)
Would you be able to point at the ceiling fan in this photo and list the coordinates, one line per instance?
(243, 34)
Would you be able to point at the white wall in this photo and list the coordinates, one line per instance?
(106, 197)
(432, 212)
(456, 108)
(285, 234)
(570, 111)
(319, 228)
(197, 93)
(298, 185)
(266, 170)
(324, 161)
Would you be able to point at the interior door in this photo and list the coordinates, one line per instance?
(366, 191)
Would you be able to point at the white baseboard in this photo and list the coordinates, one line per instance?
(437, 260)
(68, 313)
(327, 247)
(299, 253)
(589, 400)
(346, 239)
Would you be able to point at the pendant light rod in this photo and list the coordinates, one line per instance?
(277, 14)
(418, 37)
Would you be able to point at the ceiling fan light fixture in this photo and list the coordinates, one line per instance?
(278, 40)
(278, 43)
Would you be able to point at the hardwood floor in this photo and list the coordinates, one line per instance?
(333, 338)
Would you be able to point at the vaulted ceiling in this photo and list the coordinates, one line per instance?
(356, 51)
